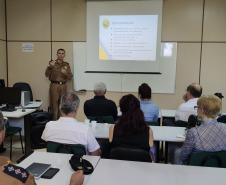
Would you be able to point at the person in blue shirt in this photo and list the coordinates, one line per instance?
(150, 109)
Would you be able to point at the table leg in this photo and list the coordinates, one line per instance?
(157, 147)
(27, 134)
(166, 152)
(2, 149)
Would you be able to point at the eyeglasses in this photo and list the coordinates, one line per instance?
(196, 107)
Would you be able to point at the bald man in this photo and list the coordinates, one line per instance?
(193, 92)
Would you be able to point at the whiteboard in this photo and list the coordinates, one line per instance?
(160, 83)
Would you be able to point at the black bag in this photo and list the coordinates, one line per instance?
(78, 163)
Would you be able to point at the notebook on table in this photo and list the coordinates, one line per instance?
(38, 169)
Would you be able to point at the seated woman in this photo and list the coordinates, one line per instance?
(131, 130)
(150, 110)
(210, 135)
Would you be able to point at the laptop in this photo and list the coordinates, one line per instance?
(38, 169)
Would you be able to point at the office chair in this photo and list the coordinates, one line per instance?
(10, 132)
(102, 119)
(38, 122)
(222, 119)
(152, 123)
(76, 149)
(192, 122)
(180, 123)
(210, 159)
(130, 154)
(23, 86)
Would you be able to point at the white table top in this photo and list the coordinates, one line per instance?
(17, 113)
(170, 113)
(56, 160)
(167, 133)
(113, 172)
(33, 104)
(161, 133)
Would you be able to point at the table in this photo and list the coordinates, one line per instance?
(18, 113)
(161, 133)
(163, 114)
(33, 104)
(167, 113)
(164, 134)
(116, 172)
(56, 160)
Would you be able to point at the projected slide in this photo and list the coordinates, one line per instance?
(128, 37)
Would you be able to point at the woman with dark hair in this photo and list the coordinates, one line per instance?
(131, 130)
(150, 110)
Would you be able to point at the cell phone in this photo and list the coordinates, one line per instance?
(49, 174)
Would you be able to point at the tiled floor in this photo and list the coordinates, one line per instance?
(17, 150)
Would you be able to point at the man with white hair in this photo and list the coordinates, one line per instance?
(99, 105)
(68, 130)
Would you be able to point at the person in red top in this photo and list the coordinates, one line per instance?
(59, 72)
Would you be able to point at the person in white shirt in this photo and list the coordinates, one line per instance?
(193, 92)
(68, 130)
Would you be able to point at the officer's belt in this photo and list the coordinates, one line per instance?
(56, 82)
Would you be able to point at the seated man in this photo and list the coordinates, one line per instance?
(210, 135)
(194, 91)
(99, 105)
(149, 108)
(77, 177)
(67, 129)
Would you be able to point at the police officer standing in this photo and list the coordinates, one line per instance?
(58, 72)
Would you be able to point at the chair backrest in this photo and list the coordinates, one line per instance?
(41, 118)
(152, 123)
(38, 122)
(222, 119)
(102, 119)
(192, 122)
(36, 134)
(180, 123)
(210, 159)
(130, 154)
(76, 149)
(23, 86)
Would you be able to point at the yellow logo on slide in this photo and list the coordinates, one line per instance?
(106, 23)
(102, 54)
